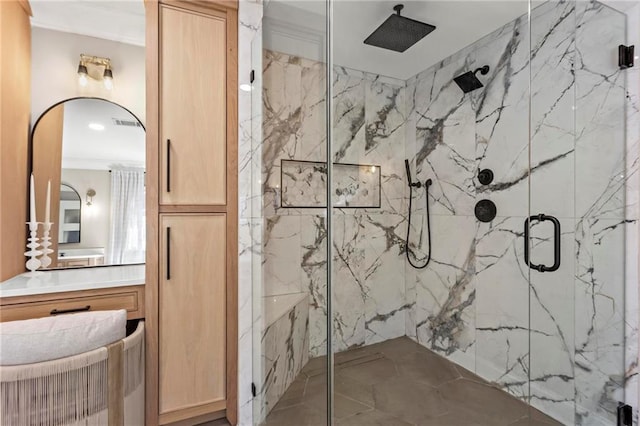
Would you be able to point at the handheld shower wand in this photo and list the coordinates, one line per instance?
(412, 185)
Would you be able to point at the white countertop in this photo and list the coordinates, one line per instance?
(76, 279)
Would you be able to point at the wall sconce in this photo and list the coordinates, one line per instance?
(96, 68)
(90, 194)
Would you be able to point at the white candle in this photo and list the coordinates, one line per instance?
(46, 220)
(32, 203)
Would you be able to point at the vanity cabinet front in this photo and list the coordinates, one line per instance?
(192, 315)
(102, 299)
(193, 107)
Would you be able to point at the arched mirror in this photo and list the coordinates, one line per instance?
(92, 152)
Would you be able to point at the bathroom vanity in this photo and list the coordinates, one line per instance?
(138, 212)
(56, 292)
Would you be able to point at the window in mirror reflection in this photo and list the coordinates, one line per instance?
(92, 146)
(69, 228)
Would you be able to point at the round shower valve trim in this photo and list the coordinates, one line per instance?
(485, 176)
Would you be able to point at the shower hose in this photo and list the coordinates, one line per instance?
(408, 250)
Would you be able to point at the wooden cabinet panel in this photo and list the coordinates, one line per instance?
(15, 111)
(192, 108)
(192, 313)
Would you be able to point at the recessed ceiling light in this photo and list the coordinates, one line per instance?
(96, 126)
(245, 87)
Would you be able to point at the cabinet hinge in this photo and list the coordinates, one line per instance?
(252, 76)
(253, 389)
(625, 56)
(625, 415)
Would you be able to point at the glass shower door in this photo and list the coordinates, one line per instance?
(290, 293)
(579, 219)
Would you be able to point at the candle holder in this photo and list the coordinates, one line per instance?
(45, 260)
(33, 263)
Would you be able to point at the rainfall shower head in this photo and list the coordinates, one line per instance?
(398, 33)
(468, 81)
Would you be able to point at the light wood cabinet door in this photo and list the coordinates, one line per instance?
(193, 108)
(192, 315)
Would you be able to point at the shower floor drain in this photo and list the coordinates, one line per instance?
(349, 361)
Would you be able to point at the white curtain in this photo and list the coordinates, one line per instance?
(127, 234)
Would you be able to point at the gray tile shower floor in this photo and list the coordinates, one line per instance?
(398, 383)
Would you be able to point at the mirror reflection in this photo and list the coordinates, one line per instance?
(69, 227)
(93, 153)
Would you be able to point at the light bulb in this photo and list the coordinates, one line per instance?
(108, 78)
(82, 74)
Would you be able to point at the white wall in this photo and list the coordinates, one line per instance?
(94, 219)
(55, 56)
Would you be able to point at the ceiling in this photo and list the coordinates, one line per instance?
(117, 20)
(458, 24)
(84, 148)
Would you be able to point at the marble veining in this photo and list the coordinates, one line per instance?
(285, 342)
(478, 303)
(554, 121)
(370, 117)
(249, 207)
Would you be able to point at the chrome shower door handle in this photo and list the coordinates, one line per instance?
(556, 243)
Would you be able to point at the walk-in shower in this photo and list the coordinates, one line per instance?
(521, 215)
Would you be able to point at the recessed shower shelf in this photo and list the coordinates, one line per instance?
(304, 185)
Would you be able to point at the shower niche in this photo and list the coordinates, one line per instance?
(304, 185)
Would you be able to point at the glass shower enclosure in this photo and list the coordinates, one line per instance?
(519, 274)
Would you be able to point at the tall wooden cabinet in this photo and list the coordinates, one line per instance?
(191, 294)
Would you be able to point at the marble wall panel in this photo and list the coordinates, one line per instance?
(370, 118)
(554, 121)
(563, 152)
(285, 352)
(249, 207)
(313, 238)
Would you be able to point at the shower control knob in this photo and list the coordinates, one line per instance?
(485, 176)
(485, 210)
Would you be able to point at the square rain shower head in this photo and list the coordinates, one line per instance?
(468, 82)
(398, 33)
